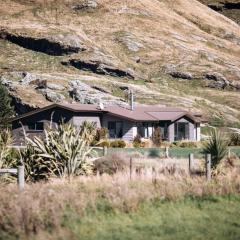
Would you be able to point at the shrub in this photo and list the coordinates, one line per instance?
(217, 146)
(110, 164)
(118, 144)
(235, 139)
(5, 107)
(137, 141)
(157, 137)
(101, 134)
(62, 153)
(103, 143)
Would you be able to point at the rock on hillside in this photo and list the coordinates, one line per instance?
(167, 50)
(229, 8)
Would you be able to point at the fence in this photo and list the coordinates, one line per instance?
(208, 162)
(19, 172)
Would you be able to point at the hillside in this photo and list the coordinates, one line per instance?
(229, 8)
(178, 53)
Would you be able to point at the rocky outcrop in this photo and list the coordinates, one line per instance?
(175, 73)
(85, 5)
(20, 107)
(218, 80)
(28, 78)
(99, 68)
(85, 94)
(52, 45)
(229, 8)
(130, 42)
(52, 96)
(56, 87)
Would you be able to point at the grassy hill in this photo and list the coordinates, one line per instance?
(169, 52)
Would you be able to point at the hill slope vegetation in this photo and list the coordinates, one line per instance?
(169, 52)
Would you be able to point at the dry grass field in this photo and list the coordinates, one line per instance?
(161, 204)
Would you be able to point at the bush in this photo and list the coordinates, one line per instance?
(157, 137)
(217, 146)
(6, 110)
(137, 143)
(101, 134)
(118, 144)
(103, 143)
(110, 164)
(235, 139)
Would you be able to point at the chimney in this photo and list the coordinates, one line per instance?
(131, 100)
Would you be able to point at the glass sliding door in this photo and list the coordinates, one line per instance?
(115, 129)
(143, 129)
(181, 131)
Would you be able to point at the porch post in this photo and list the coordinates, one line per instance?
(171, 132)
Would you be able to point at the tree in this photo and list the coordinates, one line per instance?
(5, 104)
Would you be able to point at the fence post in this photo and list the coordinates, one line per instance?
(105, 151)
(208, 166)
(167, 152)
(130, 168)
(21, 180)
(190, 163)
(229, 153)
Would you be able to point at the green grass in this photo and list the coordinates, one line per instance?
(209, 218)
(176, 152)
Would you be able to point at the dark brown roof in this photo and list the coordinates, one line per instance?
(140, 113)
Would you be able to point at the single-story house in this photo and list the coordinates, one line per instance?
(122, 123)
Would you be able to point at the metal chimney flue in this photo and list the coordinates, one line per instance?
(131, 100)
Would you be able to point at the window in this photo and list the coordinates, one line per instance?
(115, 129)
(142, 129)
(39, 126)
(181, 131)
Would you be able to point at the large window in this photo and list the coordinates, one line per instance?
(181, 131)
(142, 129)
(38, 126)
(115, 129)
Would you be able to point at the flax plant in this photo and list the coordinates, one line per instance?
(217, 146)
(63, 152)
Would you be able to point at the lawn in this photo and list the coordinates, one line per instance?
(174, 152)
(211, 218)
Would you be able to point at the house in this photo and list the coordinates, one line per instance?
(122, 123)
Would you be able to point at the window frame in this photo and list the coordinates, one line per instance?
(116, 134)
(186, 131)
(35, 127)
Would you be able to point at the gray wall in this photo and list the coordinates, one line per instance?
(192, 130)
(127, 126)
(54, 116)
